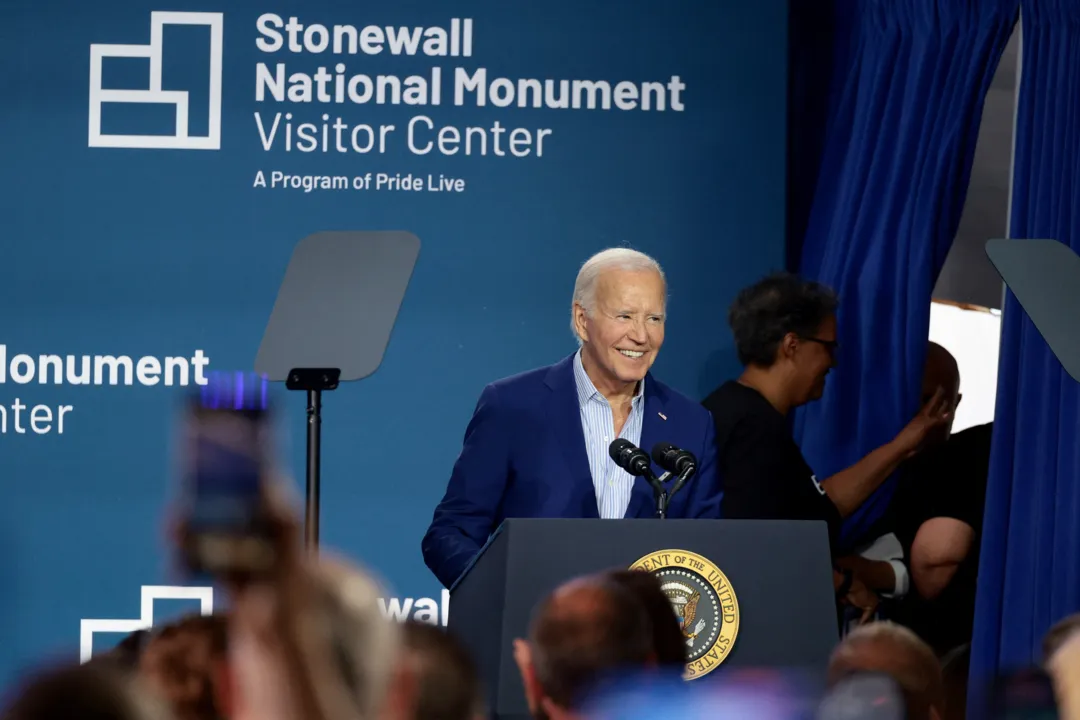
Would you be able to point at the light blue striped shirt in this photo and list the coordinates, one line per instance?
(613, 484)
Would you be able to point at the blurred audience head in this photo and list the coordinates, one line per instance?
(184, 661)
(1063, 670)
(669, 644)
(895, 651)
(787, 326)
(367, 647)
(1056, 636)
(126, 653)
(448, 685)
(95, 691)
(587, 633)
(941, 371)
(863, 696)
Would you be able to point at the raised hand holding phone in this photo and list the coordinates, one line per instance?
(227, 525)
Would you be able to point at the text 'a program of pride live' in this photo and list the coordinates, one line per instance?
(333, 83)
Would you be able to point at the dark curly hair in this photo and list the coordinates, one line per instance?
(765, 312)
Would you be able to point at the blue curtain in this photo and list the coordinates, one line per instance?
(811, 53)
(819, 53)
(1029, 574)
(891, 187)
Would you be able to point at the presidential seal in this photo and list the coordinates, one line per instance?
(704, 602)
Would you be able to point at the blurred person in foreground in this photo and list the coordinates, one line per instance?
(185, 663)
(1058, 634)
(1063, 666)
(785, 335)
(94, 691)
(308, 640)
(894, 651)
(448, 685)
(586, 634)
(126, 653)
(731, 694)
(669, 643)
(537, 444)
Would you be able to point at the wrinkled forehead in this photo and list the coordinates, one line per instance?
(632, 290)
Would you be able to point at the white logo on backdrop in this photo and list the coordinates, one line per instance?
(180, 140)
(150, 594)
(429, 610)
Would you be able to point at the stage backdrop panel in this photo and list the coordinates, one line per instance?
(159, 163)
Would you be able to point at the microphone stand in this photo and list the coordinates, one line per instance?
(662, 496)
(683, 477)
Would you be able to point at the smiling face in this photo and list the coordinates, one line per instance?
(622, 334)
(809, 359)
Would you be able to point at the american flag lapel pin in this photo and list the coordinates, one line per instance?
(662, 415)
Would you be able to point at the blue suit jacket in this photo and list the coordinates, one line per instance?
(524, 456)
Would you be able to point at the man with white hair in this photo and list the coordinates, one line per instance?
(537, 444)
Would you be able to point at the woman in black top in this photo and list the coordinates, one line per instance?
(785, 335)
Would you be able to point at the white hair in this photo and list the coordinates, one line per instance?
(606, 260)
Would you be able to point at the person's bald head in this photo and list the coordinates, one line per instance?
(941, 371)
(893, 650)
(582, 633)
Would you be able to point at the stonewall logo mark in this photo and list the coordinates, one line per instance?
(27, 417)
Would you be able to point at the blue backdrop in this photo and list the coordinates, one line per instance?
(149, 252)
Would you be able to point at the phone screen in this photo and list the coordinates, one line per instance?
(226, 469)
(224, 463)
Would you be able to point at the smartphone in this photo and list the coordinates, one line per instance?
(225, 465)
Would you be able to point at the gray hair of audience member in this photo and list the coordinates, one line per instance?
(366, 646)
(447, 678)
(764, 313)
(893, 650)
(592, 270)
(85, 692)
(585, 633)
(1056, 636)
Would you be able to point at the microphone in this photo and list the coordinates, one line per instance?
(675, 460)
(630, 457)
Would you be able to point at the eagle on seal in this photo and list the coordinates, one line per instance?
(689, 613)
(684, 600)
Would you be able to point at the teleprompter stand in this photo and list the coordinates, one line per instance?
(314, 381)
(331, 323)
